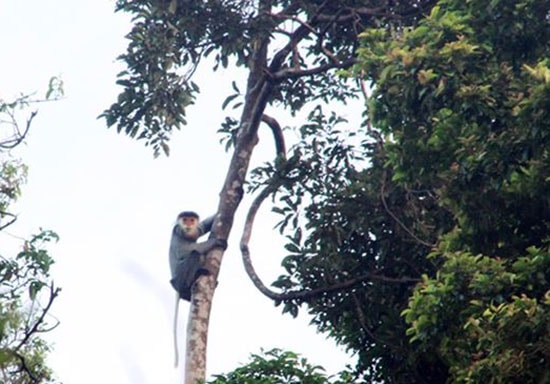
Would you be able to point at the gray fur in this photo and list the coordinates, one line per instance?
(187, 257)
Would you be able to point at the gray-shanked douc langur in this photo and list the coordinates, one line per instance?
(187, 258)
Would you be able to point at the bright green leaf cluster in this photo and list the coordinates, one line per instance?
(489, 316)
(469, 115)
(280, 367)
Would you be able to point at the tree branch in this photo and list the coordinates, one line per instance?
(364, 326)
(353, 13)
(394, 216)
(10, 222)
(259, 89)
(300, 294)
(278, 136)
(18, 136)
(54, 292)
(293, 72)
(300, 33)
(25, 368)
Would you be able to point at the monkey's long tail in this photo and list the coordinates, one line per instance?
(176, 352)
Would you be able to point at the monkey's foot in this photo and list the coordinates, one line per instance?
(202, 272)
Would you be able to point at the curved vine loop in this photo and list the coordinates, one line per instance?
(272, 186)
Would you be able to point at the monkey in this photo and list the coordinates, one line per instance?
(187, 257)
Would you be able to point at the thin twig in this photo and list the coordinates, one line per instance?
(10, 222)
(18, 136)
(53, 294)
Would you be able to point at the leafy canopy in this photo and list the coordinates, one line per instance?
(295, 43)
(455, 199)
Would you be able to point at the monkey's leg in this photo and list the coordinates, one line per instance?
(183, 279)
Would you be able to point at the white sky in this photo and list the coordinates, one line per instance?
(113, 206)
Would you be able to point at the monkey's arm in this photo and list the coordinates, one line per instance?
(206, 224)
(206, 246)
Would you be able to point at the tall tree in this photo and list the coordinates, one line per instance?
(455, 197)
(471, 120)
(292, 51)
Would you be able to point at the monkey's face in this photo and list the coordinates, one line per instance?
(190, 227)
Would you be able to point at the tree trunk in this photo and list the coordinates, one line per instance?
(259, 89)
(197, 326)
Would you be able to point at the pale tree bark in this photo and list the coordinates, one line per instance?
(258, 91)
(197, 325)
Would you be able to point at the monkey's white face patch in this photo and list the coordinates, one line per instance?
(190, 228)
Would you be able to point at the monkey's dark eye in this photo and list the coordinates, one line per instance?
(189, 221)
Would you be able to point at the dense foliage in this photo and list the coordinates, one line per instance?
(457, 196)
(170, 38)
(26, 289)
(419, 241)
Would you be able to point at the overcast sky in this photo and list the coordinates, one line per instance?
(113, 206)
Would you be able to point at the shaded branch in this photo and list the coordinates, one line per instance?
(353, 13)
(247, 232)
(294, 72)
(287, 13)
(245, 238)
(362, 318)
(300, 33)
(278, 136)
(350, 13)
(394, 216)
(297, 20)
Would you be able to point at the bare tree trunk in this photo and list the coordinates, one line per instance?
(197, 326)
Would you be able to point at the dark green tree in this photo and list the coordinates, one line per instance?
(291, 50)
(440, 247)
